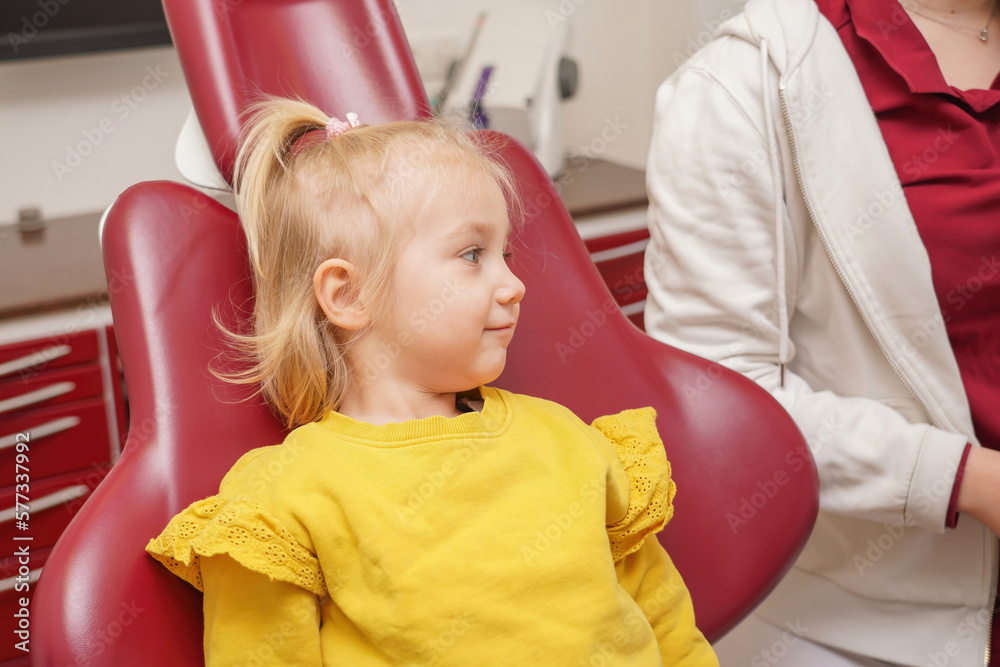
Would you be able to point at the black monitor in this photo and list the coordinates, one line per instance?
(36, 28)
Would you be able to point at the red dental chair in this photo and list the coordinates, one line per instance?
(102, 601)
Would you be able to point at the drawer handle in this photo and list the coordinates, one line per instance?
(633, 248)
(46, 502)
(634, 308)
(37, 396)
(42, 430)
(36, 358)
(8, 584)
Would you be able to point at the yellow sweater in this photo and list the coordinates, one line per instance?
(512, 536)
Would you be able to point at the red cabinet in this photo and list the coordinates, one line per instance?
(62, 423)
(617, 245)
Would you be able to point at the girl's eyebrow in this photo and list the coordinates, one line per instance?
(476, 227)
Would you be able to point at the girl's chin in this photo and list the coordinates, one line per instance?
(490, 375)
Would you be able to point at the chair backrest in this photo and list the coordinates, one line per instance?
(99, 601)
(747, 486)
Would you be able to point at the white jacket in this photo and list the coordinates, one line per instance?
(782, 247)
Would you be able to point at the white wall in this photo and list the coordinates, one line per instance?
(112, 107)
(79, 130)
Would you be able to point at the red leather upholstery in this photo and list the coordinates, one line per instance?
(177, 255)
(341, 56)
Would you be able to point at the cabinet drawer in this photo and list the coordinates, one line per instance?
(619, 260)
(598, 244)
(61, 438)
(623, 276)
(31, 357)
(9, 566)
(52, 503)
(50, 388)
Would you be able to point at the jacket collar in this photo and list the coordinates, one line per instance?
(886, 26)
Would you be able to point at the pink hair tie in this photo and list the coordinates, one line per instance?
(336, 127)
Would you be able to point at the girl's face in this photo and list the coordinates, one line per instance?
(457, 300)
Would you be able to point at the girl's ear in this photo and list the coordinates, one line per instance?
(334, 286)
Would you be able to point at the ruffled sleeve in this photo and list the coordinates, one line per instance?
(647, 493)
(243, 529)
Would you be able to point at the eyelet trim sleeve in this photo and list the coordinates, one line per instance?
(245, 531)
(651, 490)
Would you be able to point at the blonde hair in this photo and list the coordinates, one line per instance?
(304, 198)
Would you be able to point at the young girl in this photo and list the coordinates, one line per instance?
(416, 516)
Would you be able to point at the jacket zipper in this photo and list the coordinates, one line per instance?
(878, 341)
(836, 267)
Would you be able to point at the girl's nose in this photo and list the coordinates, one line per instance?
(511, 289)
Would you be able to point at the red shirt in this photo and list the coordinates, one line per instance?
(945, 145)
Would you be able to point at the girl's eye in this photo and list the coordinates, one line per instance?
(472, 255)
